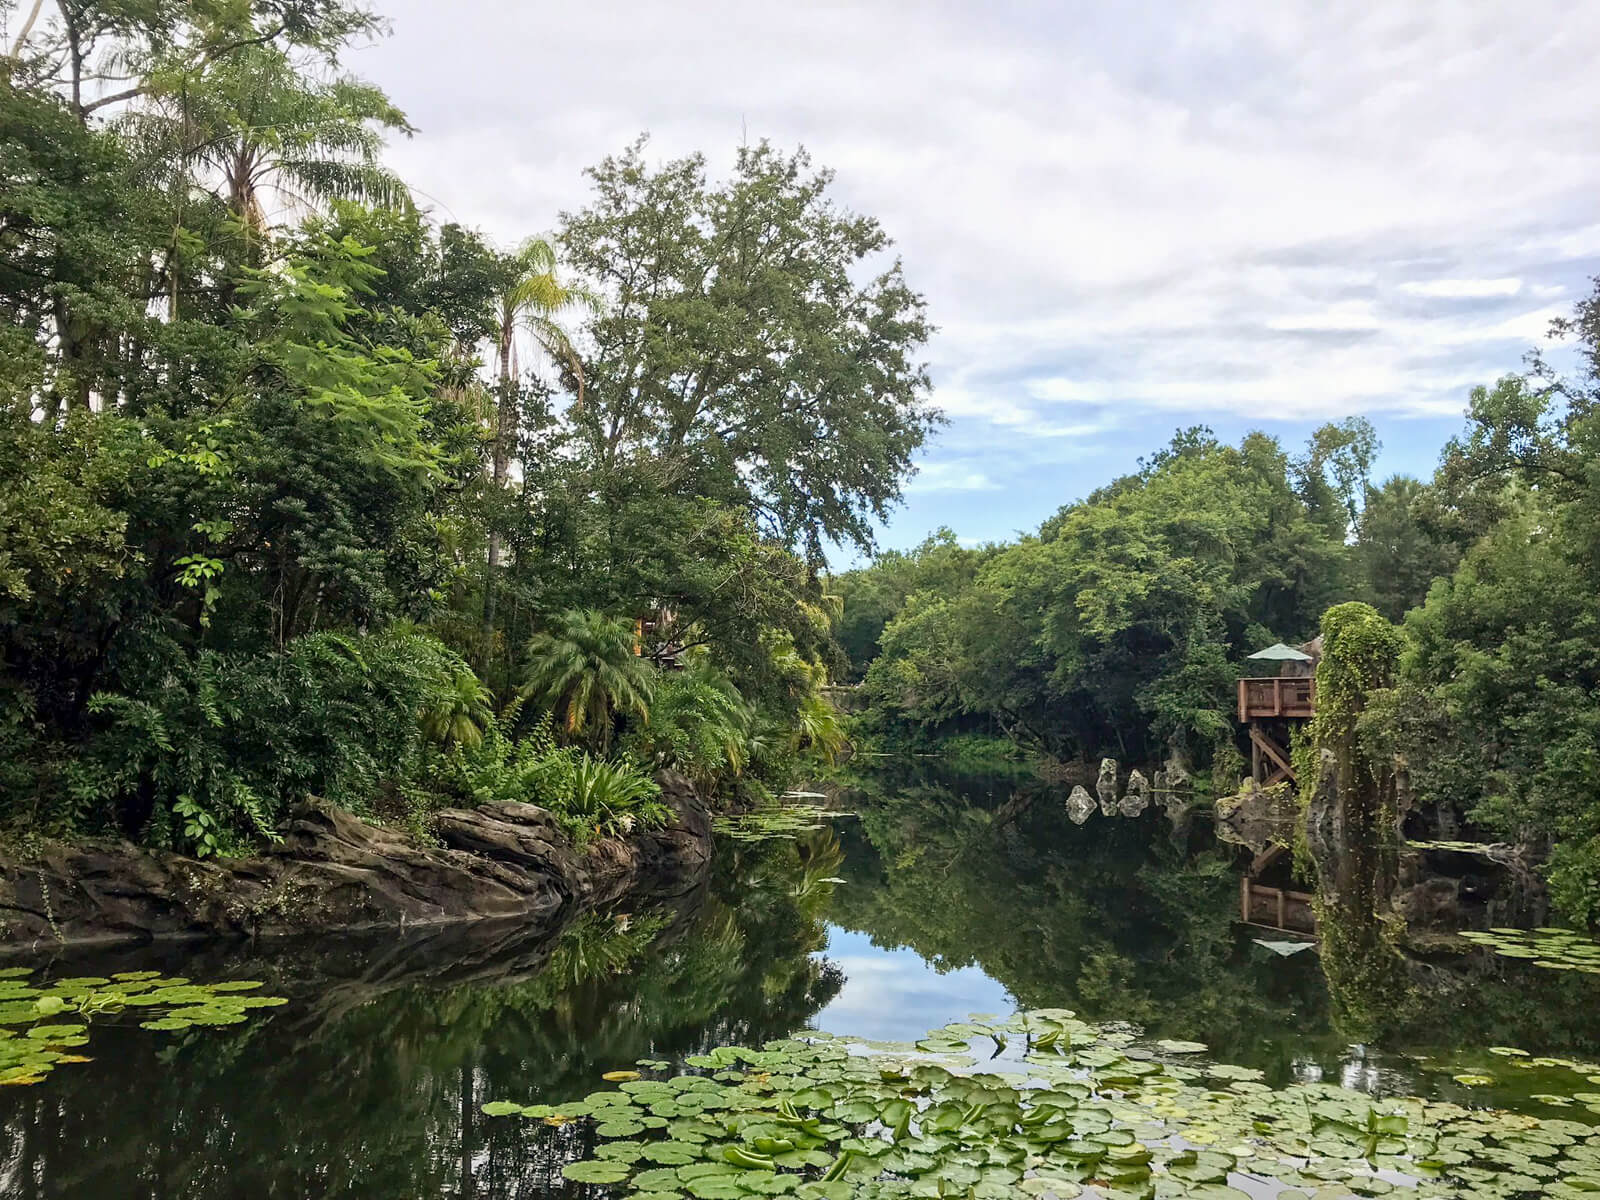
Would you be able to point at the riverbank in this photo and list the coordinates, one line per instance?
(334, 872)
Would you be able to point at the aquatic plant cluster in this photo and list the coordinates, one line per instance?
(1551, 948)
(1062, 1108)
(59, 1014)
(774, 821)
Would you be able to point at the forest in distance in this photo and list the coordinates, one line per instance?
(307, 494)
(1121, 625)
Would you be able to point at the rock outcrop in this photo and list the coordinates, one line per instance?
(1258, 817)
(336, 872)
(1137, 798)
(1106, 786)
(1080, 805)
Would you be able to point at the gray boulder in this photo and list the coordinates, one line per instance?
(1080, 805)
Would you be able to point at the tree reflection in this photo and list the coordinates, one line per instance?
(370, 1081)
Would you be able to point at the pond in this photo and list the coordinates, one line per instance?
(937, 898)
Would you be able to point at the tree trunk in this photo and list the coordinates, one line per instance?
(501, 467)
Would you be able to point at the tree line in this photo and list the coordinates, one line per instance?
(303, 493)
(1120, 626)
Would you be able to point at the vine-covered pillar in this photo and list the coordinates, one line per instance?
(1352, 786)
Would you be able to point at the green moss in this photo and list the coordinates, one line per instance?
(1360, 652)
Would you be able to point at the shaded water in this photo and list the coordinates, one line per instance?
(960, 896)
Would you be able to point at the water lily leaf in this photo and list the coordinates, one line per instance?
(671, 1153)
(595, 1171)
(500, 1108)
(713, 1187)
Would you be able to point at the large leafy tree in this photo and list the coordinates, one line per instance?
(1400, 550)
(755, 346)
(267, 138)
(1502, 682)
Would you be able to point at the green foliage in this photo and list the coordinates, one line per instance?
(271, 442)
(699, 725)
(1360, 651)
(588, 672)
(611, 798)
(1400, 551)
(1116, 629)
(588, 796)
(742, 318)
(459, 711)
(169, 1003)
(824, 1117)
(209, 753)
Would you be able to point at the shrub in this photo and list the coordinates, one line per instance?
(588, 796)
(698, 724)
(206, 753)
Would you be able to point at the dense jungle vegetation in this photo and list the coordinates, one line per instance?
(1120, 626)
(307, 495)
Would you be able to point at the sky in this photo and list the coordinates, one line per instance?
(1125, 218)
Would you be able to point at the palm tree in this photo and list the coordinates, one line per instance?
(585, 671)
(459, 712)
(255, 130)
(531, 303)
(817, 725)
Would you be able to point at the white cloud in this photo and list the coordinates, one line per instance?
(1118, 213)
(1462, 289)
(950, 477)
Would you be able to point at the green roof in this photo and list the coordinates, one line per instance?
(1278, 652)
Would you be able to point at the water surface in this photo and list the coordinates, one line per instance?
(960, 896)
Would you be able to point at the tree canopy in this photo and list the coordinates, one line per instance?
(305, 494)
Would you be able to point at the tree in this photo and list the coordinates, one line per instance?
(459, 711)
(530, 301)
(1501, 684)
(873, 595)
(1117, 628)
(1398, 554)
(751, 349)
(255, 127)
(586, 672)
(1345, 450)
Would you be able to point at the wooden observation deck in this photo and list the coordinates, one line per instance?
(1280, 909)
(1267, 705)
(1282, 696)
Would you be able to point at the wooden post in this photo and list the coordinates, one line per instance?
(1244, 899)
(1283, 910)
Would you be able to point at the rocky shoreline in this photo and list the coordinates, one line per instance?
(335, 873)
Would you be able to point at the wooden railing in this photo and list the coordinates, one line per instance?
(1276, 908)
(1290, 696)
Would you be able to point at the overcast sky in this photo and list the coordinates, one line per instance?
(1125, 216)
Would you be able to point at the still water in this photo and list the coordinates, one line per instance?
(938, 897)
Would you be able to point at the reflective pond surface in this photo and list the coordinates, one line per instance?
(936, 898)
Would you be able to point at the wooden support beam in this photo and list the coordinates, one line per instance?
(1271, 749)
(1266, 858)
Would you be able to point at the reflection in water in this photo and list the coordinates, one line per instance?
(894, 995)
(961, 896)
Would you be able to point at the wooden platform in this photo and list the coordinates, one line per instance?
(1276, 908)
(1261, 699)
